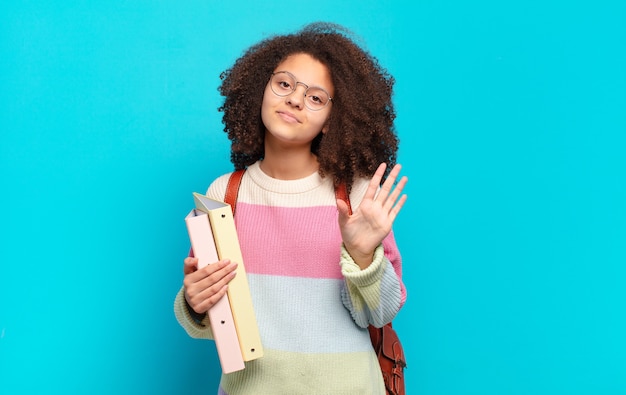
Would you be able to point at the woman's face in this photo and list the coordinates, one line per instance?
(288, 119)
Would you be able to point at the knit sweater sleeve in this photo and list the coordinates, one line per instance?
(194, 328)
(376, 294)
(373, 295)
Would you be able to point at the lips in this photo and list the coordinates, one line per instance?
(288, 116)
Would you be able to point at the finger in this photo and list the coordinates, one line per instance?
(214, 272)
(224, 268)
(374, 185)
(190, 265)
(206, 304)
(395, 194)
(389, 183)
(198, 290)
(344, 212)
(199, 275)
(205, 299)
(396, 209)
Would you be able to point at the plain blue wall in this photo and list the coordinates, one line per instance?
(512, 118)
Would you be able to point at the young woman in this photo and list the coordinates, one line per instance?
(305, 113)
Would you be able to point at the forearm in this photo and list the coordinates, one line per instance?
(196, 326)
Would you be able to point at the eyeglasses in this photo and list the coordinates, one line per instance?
(283, 83)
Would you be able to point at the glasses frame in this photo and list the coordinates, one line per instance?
(295, 86)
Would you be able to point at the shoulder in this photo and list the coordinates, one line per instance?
(217, 189)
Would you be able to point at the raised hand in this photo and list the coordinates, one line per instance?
(366, 228)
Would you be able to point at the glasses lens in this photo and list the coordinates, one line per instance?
(282, 83)
(316, 98)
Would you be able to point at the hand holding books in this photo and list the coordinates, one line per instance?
(211, 283)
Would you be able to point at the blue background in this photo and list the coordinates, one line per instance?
(512, 117)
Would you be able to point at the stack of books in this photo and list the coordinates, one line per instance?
(213, 237)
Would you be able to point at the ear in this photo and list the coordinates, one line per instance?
(326, 126)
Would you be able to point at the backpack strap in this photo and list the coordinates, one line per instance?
(232, 189)
(341, 193)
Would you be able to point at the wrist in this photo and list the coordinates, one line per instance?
(363, 277)
(195, 316)
(362, 259)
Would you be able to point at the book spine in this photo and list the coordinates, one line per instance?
(220, 314)
(227, 244)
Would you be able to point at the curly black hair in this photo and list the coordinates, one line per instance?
(361, 132)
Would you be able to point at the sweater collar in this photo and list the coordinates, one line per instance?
(301, 185)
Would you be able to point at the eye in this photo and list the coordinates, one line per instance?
(316, 99)
(284, 85)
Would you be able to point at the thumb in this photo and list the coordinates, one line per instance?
(344, 212)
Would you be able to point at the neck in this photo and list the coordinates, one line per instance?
(289, 164)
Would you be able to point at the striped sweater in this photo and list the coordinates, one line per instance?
(312, 302)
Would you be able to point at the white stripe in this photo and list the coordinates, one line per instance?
(312, 319)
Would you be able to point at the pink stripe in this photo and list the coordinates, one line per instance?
(393, 254)
(311, 249)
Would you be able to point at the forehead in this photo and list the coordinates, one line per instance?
(307, 69)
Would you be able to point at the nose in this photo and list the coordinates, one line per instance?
(296, 98)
